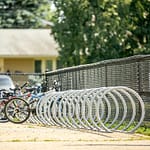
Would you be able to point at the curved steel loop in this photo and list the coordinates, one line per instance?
(103, 109)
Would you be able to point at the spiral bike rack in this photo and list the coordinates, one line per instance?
(104, 109)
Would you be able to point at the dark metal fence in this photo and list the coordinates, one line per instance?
(132, 72)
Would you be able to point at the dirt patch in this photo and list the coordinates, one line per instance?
(31, 136)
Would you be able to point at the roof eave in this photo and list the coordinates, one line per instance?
(28, 56)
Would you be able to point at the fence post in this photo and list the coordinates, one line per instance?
(46, 81)
(139, 76)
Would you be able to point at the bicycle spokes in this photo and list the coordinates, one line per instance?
(17, 110)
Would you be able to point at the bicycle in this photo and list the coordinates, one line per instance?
(18, 109)
(5, 96)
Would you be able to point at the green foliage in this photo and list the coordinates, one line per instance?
(140, 17)
(24, 13)
(93, 30)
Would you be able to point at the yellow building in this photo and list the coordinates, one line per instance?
(27, 50)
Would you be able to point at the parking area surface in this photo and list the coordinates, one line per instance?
(36, 137)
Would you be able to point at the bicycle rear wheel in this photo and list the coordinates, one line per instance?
(17, 110)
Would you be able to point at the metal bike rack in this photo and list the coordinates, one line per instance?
(104, 109)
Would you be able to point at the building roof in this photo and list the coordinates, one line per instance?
(27, 43)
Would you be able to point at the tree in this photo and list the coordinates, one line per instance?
(140, 17)
(67, 30)
(94, 30)
(109, 30)
(88, 31)
(24, 13)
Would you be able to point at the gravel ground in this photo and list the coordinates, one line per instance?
(36, 137)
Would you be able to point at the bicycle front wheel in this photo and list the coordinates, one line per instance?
(17, 110)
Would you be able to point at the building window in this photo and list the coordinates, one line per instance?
(49, 65)
(37, 66)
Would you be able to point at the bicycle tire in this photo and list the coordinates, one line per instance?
(3, 118)
(17, 110)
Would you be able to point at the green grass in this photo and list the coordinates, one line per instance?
(143, 130)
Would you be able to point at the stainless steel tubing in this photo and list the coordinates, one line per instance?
(104, 109)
